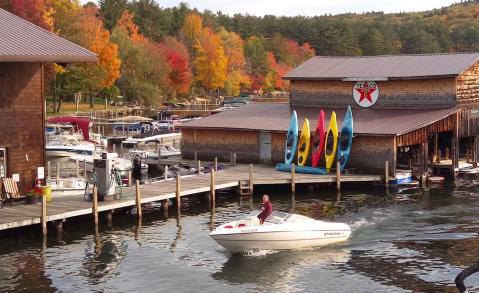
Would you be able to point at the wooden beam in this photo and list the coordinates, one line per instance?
(95, 206)
(251, 179)
(138, 198)
(338, 175)
(386, 173)
(293, 179)
(212, 185)
(178, 196)
(44, 214)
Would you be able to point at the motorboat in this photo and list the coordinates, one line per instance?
(133, 160)
(67, 145)
(279, 231)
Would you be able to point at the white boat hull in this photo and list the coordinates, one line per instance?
(280, 231)
(284, 240)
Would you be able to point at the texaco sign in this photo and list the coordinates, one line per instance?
(366, 93)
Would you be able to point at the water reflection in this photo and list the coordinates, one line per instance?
(277, 270)
(180, 227)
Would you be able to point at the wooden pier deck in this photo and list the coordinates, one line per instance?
(71, 206)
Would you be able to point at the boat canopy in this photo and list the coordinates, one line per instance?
(78, 124)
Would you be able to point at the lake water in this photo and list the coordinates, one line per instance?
(413, 241)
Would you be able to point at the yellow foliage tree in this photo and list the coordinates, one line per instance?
(210, 61)
(192, 26)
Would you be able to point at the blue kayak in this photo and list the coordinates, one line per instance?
(345, 139)
(301, 169)
(291, 140)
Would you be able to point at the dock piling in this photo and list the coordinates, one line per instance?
(213, 185)
(293, 175)
(49, 174)
(44, 215)
(95, 206)
(447, 153)
(138, 198)
(77, 167)
(84, 168)
(58, 174)
(199, 167)
(231, 159)
(109, 218)
(438, 158)
(216, 164)
(159, 159)
(59, 227)
(338, 175)
(386, 173)
(130, 183)
(166, 172)
(251, 179)
(121, 150)
(178, 196)
(234, 159)
(164, 205)
(196, 156)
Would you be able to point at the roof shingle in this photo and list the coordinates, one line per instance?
(22, 41)
(391, 67)
(275, 117)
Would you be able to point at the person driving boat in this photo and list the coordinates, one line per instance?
(266, 209)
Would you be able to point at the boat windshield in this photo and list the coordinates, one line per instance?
(253, 214)
(276, 218)
(298, 219)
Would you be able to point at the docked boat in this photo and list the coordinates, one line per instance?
(279, 231)
(304, 143)
(67, 145)
(331, 142)
(291, 140)
(345, 139)
(318, 139)
(401, 178)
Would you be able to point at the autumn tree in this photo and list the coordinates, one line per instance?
(180, 76)
(210, 60)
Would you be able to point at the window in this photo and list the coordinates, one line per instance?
(3, 162)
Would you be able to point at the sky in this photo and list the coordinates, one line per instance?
(307, 7)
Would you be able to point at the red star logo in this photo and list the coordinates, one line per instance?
(365, 92)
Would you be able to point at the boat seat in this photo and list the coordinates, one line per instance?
(246, 223)
(253, 221)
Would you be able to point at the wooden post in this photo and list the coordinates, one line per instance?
(166, 172)
(178, 195)
(109, 218)
(251, 179)
(438, 158)
(95, 205)
(386, 173)
(159, 158)
(130, 183)
(467, 155)
(293, 187)
(447, 153)
(128, 131)
(164, 204)
(103, 130)
(84, 168)
(212, 185)
(196, 156)
(338, 175)
(435, 143)
(234, 159)
(77, 168)
(49, 174)
(99, 129)
(122, 152)
(59, 226)
(44, 214)
(199, 167)
(216, 164)
(231, 159)
(58, 174)
(138, 198)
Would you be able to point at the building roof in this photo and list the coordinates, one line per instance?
(382, 67)
(22, 41)
(275, 117)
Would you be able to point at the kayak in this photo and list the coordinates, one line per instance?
(301, 169)
(304, 142)
(331, 146)
(291, 139)
(345, 139)
(318, 139)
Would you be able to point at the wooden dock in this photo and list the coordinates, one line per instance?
(66, 207)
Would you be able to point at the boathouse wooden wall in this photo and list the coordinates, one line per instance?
(22, 129)
(468, 87)
(414, 93)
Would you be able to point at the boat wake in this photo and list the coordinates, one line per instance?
(258, 253)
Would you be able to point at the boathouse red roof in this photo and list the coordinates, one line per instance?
(388, 67)
(22, 41)
(275, 117)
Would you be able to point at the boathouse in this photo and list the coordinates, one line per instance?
(409, 110)
(24, 49)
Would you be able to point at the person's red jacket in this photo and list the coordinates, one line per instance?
(266, 210)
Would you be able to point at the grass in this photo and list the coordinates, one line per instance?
(68, 107)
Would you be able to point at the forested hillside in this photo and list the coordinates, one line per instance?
(151, 53)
